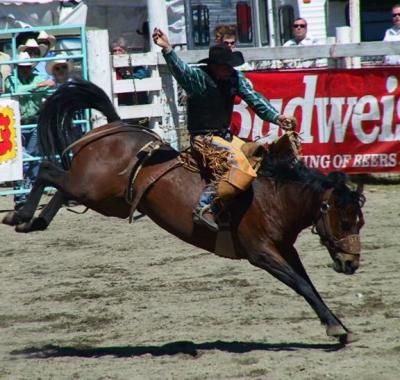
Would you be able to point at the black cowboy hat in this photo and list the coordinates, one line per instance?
(223, 55)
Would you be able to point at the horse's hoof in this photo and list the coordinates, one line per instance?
(36, 224)
(348, 338)
(344, 336)
(11, 219)
(336, 331)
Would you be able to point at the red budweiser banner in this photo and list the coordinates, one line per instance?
(348, 120)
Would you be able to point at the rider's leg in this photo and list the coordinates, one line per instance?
(207, 209)
(237, 178)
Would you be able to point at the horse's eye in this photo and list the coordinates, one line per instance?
(324, 207)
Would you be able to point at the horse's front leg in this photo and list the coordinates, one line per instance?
(285, 265)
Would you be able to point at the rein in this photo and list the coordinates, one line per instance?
(349, 244)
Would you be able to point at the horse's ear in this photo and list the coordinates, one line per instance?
(360, 188)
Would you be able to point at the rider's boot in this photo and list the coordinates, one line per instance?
(205, 212)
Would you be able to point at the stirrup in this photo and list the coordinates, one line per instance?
(201, 219)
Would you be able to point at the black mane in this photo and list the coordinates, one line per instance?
(287, 169)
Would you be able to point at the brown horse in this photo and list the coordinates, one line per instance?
(265, 221)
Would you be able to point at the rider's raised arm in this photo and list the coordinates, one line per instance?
(192, 79)
(257, 102)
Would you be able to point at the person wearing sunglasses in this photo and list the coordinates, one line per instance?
(60, 70)
(300, 38)
(393, 34)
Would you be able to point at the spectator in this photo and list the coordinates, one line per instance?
(48, 42)
(118, 47)
(27, 80)
(300, 38)
(224, 30)
(227, 36)
(393, 34)
(137, 72)
(59, 70)
(32, 48)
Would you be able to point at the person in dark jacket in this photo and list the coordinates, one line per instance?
(211, 90)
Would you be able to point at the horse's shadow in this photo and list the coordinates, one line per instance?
(173, 348)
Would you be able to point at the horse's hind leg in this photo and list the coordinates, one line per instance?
(26, 212)
(287, 268)
(49, 175)
(42, 221)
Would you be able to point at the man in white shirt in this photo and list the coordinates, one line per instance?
(300, 39)
(393, 34)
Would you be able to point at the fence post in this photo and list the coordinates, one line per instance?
(99, 67)
(343, 36)
(354, 10)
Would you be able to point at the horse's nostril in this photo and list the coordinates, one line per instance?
(350, 268)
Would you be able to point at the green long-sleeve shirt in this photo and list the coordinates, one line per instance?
(193, 81)
(29, 104)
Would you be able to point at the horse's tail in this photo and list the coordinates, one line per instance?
(56, 115)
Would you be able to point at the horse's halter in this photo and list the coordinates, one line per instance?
(350, 244)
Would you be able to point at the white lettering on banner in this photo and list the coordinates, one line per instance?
(374, 160)
(334, 115)
(388, 112)
(359, 116)
(342, 161)
(306, 104)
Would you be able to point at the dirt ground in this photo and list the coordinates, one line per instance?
(97, 298)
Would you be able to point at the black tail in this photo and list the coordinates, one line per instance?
(56, 115)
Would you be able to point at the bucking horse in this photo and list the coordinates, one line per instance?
(118, 168)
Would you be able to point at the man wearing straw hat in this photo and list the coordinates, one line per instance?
(27, 81)
(60, 70)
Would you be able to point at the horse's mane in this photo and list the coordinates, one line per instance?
(287, 169)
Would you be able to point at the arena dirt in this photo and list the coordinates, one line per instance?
(97, 298)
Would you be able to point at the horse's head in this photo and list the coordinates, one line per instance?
(338, 224)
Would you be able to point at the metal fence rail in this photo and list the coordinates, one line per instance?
(60, 30)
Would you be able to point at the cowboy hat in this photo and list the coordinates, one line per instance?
(223, 55)
(24, 55)
(61, 61)
(32, 43)
(43, 36)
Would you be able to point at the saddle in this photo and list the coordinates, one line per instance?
(210, 162)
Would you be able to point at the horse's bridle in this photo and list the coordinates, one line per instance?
(349, 244)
